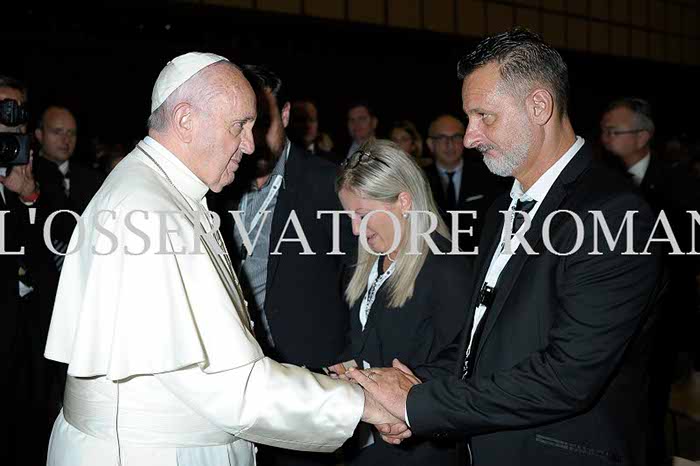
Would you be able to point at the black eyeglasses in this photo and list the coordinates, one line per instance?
(619, 132)
(364, 156)
(443, 139)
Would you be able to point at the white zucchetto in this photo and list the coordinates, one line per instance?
(177, 72)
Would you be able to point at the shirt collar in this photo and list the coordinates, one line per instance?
(443, 171)
(181, 176)
(63, 167)
(539, 190)
(639, 169)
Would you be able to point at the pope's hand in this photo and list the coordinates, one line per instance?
(389, 386)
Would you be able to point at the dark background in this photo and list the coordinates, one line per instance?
(102, 62)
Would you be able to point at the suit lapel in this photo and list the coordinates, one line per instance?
(509, 275)
(286, 199)
(487, 247)
(436, 185)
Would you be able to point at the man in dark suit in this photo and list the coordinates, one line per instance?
(557, 338)
(627, 129)
(295, 298)
(460, 182)
(69, 184)
(27, 291)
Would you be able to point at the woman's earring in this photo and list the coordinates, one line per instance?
(405, 215)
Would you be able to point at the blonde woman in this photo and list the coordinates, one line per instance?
(407, 300)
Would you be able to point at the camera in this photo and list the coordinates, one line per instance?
(14, 147)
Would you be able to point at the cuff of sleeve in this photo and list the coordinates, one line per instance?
(31, 199)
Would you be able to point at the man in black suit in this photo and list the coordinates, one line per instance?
(627, 129)
(295, 298)
(27, 291)
(557, 338)
(69, 184)
(459, 182)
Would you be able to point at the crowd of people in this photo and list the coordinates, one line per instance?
(528, 359)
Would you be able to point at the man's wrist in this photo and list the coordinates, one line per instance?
(32, 196)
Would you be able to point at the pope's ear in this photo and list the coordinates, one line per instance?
(183, 121)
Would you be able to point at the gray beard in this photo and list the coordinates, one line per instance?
(509, 163)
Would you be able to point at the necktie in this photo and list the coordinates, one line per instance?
(66, 183)
(518, 218)
(450, 195)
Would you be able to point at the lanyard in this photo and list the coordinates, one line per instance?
(276, 184)
(372, 290)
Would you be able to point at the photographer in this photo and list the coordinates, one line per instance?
(27, 287)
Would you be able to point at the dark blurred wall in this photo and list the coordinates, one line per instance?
(103, 61)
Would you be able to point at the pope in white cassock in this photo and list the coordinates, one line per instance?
(163, 368)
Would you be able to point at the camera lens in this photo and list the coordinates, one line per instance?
(9, 148)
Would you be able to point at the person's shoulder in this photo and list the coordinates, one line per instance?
(133, 185)
(85, 172)
(311, 173)
(430, 171)
(311, 162)
(602, 186)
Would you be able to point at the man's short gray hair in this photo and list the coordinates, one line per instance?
(641, 109)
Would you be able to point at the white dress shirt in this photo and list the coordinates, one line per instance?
(456, 178)
(639, 169)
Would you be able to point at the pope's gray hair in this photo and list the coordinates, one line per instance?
(383, 176)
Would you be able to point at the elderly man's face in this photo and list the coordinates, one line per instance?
(620, 134)
(498, 124)
(225, 131)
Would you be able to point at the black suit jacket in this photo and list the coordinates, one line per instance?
(477, 191)
(560, 375)
(675, 192)
(304, 303)
(84, 183)
(25, 321)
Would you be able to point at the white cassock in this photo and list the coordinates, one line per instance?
(162, 366)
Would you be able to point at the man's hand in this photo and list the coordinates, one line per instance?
(20, 180)
(392, 429)
(389, 386)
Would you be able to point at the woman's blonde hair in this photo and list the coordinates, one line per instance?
(380, 171)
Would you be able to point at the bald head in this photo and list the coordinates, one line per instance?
(445, 136)
(207, 123)
(445, 123)
(57, 133)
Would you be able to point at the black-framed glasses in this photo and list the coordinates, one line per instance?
(364, 156)
(619, 132)
(443, 139)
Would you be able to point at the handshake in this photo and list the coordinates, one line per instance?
(386, 391)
